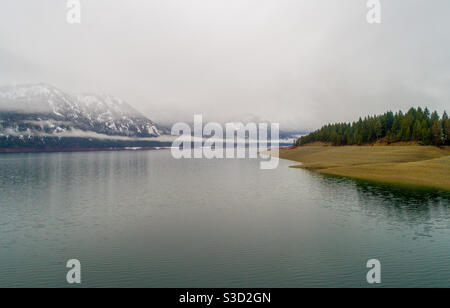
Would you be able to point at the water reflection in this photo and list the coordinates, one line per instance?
(416, 197)
(424, 210)
(145, 219)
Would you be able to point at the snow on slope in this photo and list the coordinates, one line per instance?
(37, 108)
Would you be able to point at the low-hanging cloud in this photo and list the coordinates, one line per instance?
(302, 63)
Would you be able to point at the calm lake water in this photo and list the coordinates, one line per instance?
(144, 219)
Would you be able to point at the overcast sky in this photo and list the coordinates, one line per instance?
(302, 63)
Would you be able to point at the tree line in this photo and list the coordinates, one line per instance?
(418, 125)
(61, 143)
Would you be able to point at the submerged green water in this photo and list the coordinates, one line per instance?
(144, 219)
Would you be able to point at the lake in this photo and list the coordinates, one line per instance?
(144, 219)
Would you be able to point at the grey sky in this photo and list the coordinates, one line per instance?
(299, 62)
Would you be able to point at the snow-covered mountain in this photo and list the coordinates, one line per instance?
(42, 109)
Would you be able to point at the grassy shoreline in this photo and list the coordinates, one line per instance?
(418, 166)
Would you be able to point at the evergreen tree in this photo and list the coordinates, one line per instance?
(416, 125)
(447, 132)
(417, 131)
(437, 133)
(435, 116)
(445, 128)
(379, 129)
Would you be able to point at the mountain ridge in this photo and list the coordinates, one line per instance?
(42, 109)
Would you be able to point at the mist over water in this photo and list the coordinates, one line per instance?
(299, 63)
(144, 219)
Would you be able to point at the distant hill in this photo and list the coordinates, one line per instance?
(40, 117)
(417, 125)
(39, 109)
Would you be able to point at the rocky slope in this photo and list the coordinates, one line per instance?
(43, 110)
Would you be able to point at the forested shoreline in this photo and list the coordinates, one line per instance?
(418, 125)
(51, 143)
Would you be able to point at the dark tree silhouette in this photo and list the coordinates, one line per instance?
(416, 125)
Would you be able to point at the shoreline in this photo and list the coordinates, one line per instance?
(406, 166)
(74, 150)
